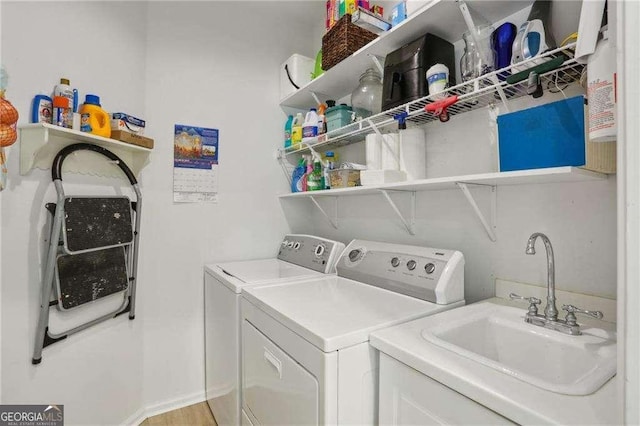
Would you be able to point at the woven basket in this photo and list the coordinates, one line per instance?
(342, 40)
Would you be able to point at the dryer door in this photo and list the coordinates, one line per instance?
(276, 389)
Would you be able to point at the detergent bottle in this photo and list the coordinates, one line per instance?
(93, 118)
(296, 130)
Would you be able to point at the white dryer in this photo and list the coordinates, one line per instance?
(300, 257)
(305, 351)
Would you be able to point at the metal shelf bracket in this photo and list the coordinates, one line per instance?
(411, 222)
(333, 219)
(489, 228)
(377, 63)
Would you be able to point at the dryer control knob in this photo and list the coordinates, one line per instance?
(320, 250)
(355, 255)
(284, 243)
(429, 268)
(411, 265)
(395, 262)
(296, 245)
(290, 244)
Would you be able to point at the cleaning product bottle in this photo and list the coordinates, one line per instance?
(64, 89)
(93, 118)
(41, 109)
(329, 164)
(296, 131)
(297, 175)
(601, 90)
(322, 121)
(310, 126)
(315, 181)
(308, 171)
(62, 112)
(287, 131)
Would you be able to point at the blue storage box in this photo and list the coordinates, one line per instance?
(551, 135)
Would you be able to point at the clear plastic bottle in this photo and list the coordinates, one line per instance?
(366, 99)
(329, 164)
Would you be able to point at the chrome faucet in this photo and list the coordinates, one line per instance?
(550, 317)
(550, 311)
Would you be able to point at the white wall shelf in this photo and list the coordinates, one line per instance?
(439, 17)
(489, 180)
(40, 142)
(472, 95)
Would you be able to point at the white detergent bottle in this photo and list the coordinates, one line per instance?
(310, 127)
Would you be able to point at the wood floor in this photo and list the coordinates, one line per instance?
(193, 415)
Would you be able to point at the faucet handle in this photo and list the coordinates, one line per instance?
(573, 310)
(533, 302)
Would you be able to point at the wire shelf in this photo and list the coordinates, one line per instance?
(487, 90)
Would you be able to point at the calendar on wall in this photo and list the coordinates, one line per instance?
(195, 164)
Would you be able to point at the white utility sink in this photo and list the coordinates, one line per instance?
(497, 336)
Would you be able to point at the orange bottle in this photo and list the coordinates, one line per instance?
(94, 119)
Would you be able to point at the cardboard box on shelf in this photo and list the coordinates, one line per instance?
(127, 137)
(128, 123)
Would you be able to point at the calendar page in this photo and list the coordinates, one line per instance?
(195, 164)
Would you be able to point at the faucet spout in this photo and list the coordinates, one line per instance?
(550, 311)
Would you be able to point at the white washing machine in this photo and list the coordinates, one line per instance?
(305, 346)
(299, 257)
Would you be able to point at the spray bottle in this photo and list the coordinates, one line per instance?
(315, 181)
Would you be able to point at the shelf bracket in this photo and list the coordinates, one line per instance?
(411, 222)
(377, 63)
(489, 228)
(315, 98)
(333, 220)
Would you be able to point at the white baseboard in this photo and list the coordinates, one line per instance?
(163, 407)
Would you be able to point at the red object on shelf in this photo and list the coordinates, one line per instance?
(439, 108)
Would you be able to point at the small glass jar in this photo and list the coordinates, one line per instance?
(366, 99)
(478, 59)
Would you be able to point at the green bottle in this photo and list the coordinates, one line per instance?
(315, 181)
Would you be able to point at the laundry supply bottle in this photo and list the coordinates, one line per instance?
(310, 126)
(287, 131)
(62, 112)
(41, 109)
(93, 118)
(297, 175)
(329, 164)
(65, 89)
(296, 130)
(315, 180)
(308, 171)
(322, 120)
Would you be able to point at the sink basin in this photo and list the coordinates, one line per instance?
(497, 336)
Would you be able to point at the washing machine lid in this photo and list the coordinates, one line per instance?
(334, 312)
(237, 275)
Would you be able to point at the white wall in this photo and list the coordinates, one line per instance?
(96, 374)
(579, 218)
(212, 64)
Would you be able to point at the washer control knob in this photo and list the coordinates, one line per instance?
(395, 262)
(284, 243)
(429, 268)
(290, 244)
(355, 255)
(296, 245)
(411, 265)
(320, 250)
